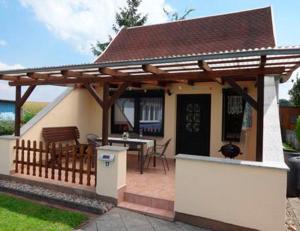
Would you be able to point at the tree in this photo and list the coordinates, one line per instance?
(295, 92)
(174, 16)
(127, 16)
(284, 102)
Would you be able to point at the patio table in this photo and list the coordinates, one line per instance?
(142, 143)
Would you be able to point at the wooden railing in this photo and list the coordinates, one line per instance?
(71, 163)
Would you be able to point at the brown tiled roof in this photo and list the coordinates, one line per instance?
(242, 30)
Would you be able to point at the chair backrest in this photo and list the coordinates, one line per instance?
(92, 139)
(61, 134)
(165, 146)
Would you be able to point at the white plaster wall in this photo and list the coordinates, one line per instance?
(248, 194)
(272, 143)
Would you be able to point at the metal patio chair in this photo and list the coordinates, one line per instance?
(159, 153)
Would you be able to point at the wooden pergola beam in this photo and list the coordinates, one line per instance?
(9, 77)
(237, 88)
(196, 76)
(95, 95)
(152, 69)
(112, 72)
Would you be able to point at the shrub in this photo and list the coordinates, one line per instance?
(6, 127)
(297, 129)
(27, 116)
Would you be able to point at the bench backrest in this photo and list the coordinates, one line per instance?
(60, 134)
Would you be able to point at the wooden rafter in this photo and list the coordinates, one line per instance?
(263, 61)
(206, 68)
(237, 88)
(76, 74)
(152, 69)
(35, 75)
(112, 72)
(94, 94)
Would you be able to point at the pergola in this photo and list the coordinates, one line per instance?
(223, 67)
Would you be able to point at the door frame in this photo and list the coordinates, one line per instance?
(177, 117)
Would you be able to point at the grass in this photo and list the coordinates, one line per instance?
(34, 107)
(287, 147)
(20, 215)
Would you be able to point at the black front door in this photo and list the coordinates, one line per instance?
(193, 124)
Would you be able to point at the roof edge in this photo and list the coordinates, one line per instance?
(204, 17)
(99, 56)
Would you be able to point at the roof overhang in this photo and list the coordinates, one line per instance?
(242, 65)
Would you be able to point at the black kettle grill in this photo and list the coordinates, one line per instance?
(230, 150)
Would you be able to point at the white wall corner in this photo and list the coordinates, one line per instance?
(272, 142)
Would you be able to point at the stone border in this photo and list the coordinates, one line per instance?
(71, 199)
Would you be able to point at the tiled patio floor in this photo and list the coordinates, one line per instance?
(154, 182)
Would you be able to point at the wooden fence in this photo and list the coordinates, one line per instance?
(71, 163)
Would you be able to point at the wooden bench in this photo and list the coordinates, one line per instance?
(64, 135)
(61, 134)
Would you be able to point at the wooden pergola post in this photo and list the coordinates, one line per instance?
(105, 109)
(260, 118)
(20, 100)
(18, 111)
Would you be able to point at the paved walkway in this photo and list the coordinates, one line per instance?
(123, 220)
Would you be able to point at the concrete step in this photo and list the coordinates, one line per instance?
(150, 211)
(149, 201)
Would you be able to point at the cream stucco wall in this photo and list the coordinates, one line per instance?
(215, 90)
(80, 109)
(247, 194)
(7, 154)
(76, 108)
(113, 177)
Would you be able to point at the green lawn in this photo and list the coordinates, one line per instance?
(17, 214)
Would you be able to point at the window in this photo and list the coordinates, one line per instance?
(139, 111)
(233, 114)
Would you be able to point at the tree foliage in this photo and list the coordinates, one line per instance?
(297, 128)
(284, 102)
(174, 16)
(127, 16)
(295, 92)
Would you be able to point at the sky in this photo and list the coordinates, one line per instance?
(36, 33)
